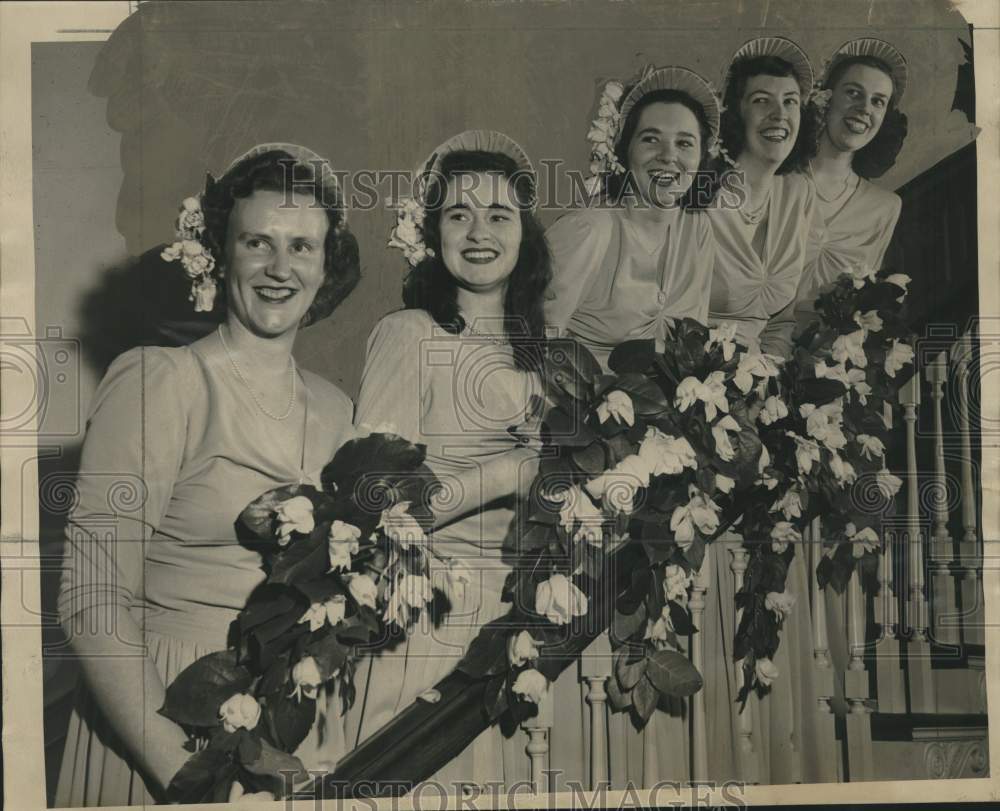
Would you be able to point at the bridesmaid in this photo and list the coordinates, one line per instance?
(861, 133)
(639, 256)
(761, 219)
(454, 370)
(761, 248)
(643, 253)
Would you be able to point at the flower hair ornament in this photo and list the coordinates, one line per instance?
(615, 104)
(408, 233)
(190, 249)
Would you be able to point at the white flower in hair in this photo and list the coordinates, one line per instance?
(408, 233)
(195, 258)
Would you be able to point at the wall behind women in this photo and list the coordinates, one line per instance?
(187, 87)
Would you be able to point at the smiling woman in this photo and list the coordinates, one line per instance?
(205, 429)
(455, 371)
(642, 254)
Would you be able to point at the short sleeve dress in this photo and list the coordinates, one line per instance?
(756, 292)
(845, 235)
(609, 285)
(175, 449)
(458, 395)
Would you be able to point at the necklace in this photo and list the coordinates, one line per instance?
(253, 394)
(838, 195)
(757, 215)
(493, 339)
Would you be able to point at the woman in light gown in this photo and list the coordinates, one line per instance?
(643, 253)
(178, 442)
(762, 214)
(454, 370)
(760, 254)
(861, 133)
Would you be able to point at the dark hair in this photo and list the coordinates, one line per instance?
(279, 171)
(616, 186)
(879, 155)
(431, 287)
(732, 127)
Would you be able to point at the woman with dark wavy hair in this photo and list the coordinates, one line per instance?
(762, 213)
(642, 253)
(151, 585)
(861, 132)
(455, 370)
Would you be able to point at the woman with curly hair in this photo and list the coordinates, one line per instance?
(455, 370)
(762, 214)
(642, 253)
(861, 133)
(197, 432)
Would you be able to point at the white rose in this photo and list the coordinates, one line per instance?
(774, 409)
(665, 454)
(790, 504)
(806, 452)
(869, 321)
(191, 204)
(752, 365)
(294, 515)
(782, 534)
(851, 348)
(306, 677)
(656, 632)
(900, 280)
(530, 685)
(619, 405)
(763, 461)
(522, 648)
(871, 446)
(724, 483)
(363, 590)
(191, 247)
(843, 471)
(700, 512)
(781, 603)
(332, 611)
(720, 432)
(675, 584)
(686, 394)
(171, 253)
(823, 423)
(766, 671)
(617, 487)
(400, 526)
(865, 541)
(579, 511)
(204, 296)
(888, 483)
(344, 542)
(240, 711)
(838, 372)
(613, 90)
(897, 357)
(559, 600)
(724, 336)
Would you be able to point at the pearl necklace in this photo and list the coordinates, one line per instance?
(838, 195)
(253, 394)
(493, 339)
(757, 215)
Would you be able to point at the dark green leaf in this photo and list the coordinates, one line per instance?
(496, 696)
(195, 780)
(695, 553)
(680, 617)
(322, 588)
(592, 460)
(868, 572)
(289, 719)
(268, 602)
(487, 654)
(824, 571)
(632, 356)
(195, 696)
(274, 763)
(629, 674)
(302, 559)
(644, 698)
(618, 698)
(329, 654)
(623, 626)
(673, 674)
(389, 456)
(249, 747)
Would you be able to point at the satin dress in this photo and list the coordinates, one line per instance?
(175, 449)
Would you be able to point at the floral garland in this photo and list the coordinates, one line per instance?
(667, 452)
(193, 254)
(346, 564)
(408, 233)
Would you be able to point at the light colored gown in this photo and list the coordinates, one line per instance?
(756, 291)
(845, 234)
(175, 449)
(457, 395)
(610, 285)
